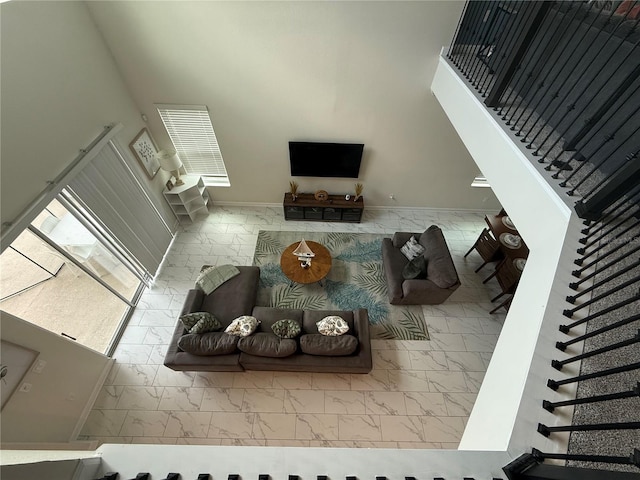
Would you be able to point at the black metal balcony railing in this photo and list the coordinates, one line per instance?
(564, 77)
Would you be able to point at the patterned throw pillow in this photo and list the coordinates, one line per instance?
(200, 322)
(416, 268)
(243, 326)
(412, 248)
(332, 326)
(286, 328)
(207, 324)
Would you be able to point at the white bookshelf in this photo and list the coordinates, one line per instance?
(188, 200)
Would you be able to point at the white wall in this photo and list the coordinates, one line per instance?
(59, 87)
(60, 395)
(271, 72)
(60, 470)
(543, 219)
(307, 463)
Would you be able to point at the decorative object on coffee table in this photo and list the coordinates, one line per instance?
(359, 187)
(314, 272)
(293, 188)
(304, 254)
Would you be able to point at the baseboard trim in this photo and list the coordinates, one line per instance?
(367, 207)
(92, 399)
(81, 445)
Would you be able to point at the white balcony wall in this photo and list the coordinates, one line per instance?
(508, 407)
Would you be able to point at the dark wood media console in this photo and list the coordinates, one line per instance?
(334, 209)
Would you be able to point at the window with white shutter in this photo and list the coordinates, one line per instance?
(191, 132)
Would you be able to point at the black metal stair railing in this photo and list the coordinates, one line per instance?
(612, 333)
(558, 364)
(551, 406)
(564, 77)
(610, 396)
(609, 284)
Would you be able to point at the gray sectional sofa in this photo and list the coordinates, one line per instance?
(263, 350)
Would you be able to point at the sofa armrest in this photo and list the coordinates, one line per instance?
(193, 302)
(393, 261)
(400, 238)
(361, 327)
(173, 349)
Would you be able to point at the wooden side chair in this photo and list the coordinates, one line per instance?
(505, 304)
(507, 276)
(487, 247)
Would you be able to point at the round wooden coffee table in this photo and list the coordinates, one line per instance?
(320, 264)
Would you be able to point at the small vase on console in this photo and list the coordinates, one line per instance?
(359, 187)
(293, 186)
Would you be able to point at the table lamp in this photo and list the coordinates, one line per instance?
(170, 162)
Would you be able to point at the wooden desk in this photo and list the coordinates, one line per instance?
(320, 264)
(498, 227)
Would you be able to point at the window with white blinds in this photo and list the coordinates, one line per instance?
(108, 188)
(191, 132)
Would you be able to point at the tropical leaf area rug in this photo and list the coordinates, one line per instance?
(356, 280)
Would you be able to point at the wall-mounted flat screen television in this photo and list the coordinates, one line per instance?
(318, 159)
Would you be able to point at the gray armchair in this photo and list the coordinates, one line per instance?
(441, 276)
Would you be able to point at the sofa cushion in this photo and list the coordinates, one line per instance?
(332, 326)
(317, 344)
(265, 344)
(440, 267)
(242, 326)
(411, 249)
(416, 268)
(286, 328)
(207, 344)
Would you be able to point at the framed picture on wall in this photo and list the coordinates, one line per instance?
(145, 151)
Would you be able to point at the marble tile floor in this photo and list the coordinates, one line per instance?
(419, 394)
